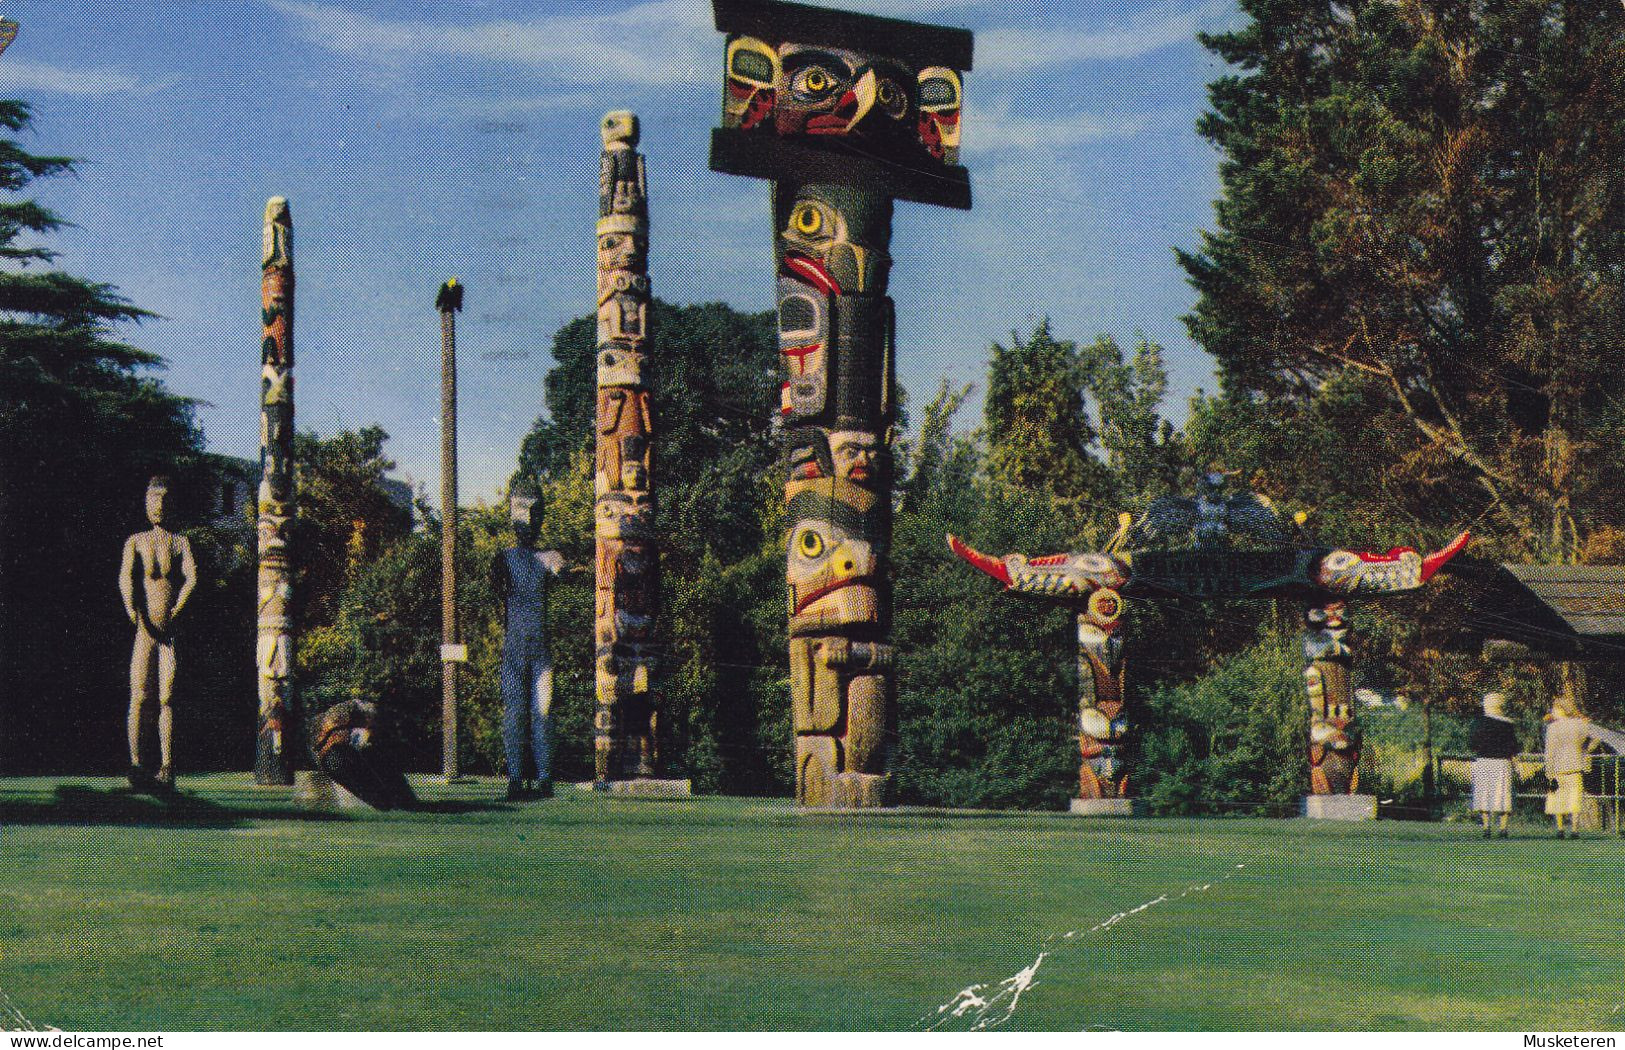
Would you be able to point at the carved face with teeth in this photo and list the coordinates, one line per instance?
(941, 94)
(625, 515)
(753, 70)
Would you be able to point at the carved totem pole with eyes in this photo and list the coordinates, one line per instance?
(1334, 737)
(844, 113)
(628, 561)
(1090, 584)
(274, 651)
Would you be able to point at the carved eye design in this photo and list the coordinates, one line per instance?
(809, 544)
(1105, 605)
(936, 93)
(807, 220)
(752, 67)
(814, 84)
(892, 99)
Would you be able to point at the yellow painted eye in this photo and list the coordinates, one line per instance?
(808, 220)
(1105, 605)
(809, 544)
(817, 80)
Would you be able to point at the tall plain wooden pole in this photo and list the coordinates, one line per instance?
(449, 301)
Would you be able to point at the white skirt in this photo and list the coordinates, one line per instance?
(1492, 785)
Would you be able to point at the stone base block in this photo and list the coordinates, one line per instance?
(1107, 807)
(643, 787)
(314, 789)
(1340, 807)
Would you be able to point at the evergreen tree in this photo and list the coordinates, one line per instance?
(1423, 214)
(347, 514)
(1143, 451)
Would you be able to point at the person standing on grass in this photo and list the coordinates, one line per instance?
(1569, 739)
(1494, 743)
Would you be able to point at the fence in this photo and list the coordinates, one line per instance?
(1603, 806)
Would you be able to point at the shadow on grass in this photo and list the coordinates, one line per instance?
(77, 804)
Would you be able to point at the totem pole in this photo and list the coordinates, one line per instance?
(1206, 565)
(845, 113)
(1090, 584)
(278, 635)
(448, 301)
(1102, 719)
(1334, 738)
(628, 560)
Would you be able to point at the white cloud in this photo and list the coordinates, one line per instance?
(21, 73)
(990, 127)
(1005, 51)
(659, 42)
(654, 43)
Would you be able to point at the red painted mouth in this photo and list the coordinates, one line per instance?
(798, 354)
(827, 589)
(1435, 561)
(813, 272)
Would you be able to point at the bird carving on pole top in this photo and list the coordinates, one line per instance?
(1212, 518)
(450, 299)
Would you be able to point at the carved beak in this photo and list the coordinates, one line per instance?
(994, 567)
(863, 96)
(849, 110)
(1435, 561)
(851, 563)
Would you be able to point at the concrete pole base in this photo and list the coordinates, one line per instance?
(642, 787)
(1107, 807)
(1340, 807)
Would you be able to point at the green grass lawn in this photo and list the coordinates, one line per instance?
(229, 908)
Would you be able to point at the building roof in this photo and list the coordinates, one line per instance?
(1589, 598)
(1574, 612)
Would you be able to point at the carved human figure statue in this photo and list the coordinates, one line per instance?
(519, 576)
(156, 577)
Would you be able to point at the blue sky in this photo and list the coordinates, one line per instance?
(419, 141)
